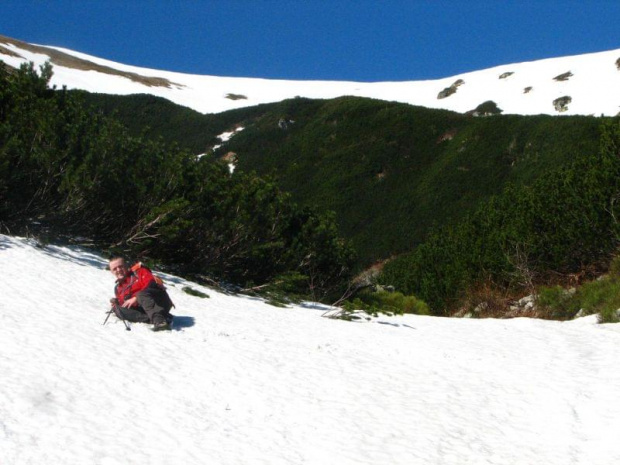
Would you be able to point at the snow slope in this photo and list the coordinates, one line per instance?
(594, 86)
(240, 382)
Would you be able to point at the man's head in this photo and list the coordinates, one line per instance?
(118, 267)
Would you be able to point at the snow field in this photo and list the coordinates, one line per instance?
(239, 381)
(594, 86)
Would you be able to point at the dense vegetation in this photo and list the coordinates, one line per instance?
(468, 206)
(392, 171)
(158, 119)
(564, 223)
(76, 171)
(389, 171)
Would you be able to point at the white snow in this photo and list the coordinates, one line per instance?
(226, 136)
(240, 382)
(594, 87)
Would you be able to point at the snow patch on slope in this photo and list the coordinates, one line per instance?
(239, 381)
(594, 87)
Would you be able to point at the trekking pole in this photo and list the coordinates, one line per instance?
(118, 313)
(106, 318)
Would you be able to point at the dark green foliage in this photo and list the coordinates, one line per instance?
(387, 302)
(600, 297)
(81, 173)
(389, 171)
(486, 108)
(159, 119)
(614, 267)
(557, 302)
(564, 221)
(503, 199)
(196, 293)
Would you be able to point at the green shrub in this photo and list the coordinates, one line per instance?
(387, 302)
(557, 301)
(195, 292)
(614, 267)
(560, 222)
(80, 173)
(608, 315)
(600, 297)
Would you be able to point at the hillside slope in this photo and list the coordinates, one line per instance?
(238, 381)
(389, 171)
(586, 84)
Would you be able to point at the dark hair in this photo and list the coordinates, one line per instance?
(116, 257)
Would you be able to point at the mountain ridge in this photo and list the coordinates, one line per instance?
(586, 84)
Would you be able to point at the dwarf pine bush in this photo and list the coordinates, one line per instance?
(195, 292)
(387, 302)
(600, 297)
(557, 301)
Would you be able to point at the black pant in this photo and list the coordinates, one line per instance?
(153, 306)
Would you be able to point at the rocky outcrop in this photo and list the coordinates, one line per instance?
(448, 91)
(563, 77)
(60, 58)
(561, 104)
(8, 52)
(236, 96)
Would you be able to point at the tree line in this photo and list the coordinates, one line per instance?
(69, 167)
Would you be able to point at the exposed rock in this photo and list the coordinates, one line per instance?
(481, 307)
(230, 157)
(524, 307)
(563, 77)
(506, 74)
(527, 90)
(561, 104)
(580, 313)
(236, 97)
(448, 91)
(69, 61)
(284, 123)
(448, 135)
(618, 64)
(527, 300)
(9, 52)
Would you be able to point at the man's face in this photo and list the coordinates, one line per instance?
(118, 268)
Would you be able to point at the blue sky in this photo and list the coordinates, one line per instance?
(363, 40)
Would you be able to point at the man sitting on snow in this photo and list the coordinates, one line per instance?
(139, 298)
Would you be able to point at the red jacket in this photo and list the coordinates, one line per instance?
(135, 281)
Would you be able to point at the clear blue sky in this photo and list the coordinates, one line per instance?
(361, 40)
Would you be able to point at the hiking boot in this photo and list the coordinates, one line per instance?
(161, 326)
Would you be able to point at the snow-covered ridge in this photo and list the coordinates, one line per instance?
(592, 86)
